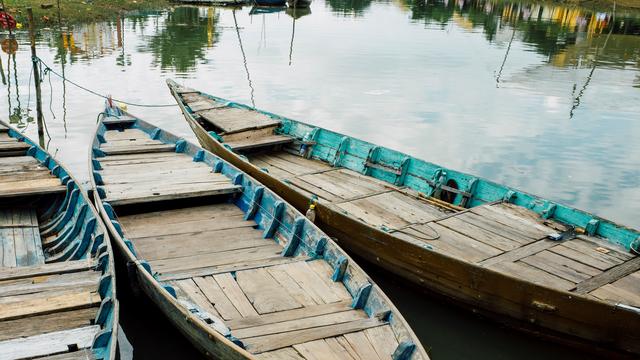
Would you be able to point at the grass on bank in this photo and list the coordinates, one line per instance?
(77, 11)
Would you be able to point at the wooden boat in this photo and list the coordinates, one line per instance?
(239, 272)
(300, 4)
(57, 282)
(562, 272)
(270, 2)
(261, 10)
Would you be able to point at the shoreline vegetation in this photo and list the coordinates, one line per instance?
(82, 11)
(45, 12)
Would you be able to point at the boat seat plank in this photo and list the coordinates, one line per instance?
(609, 276)
(233, 120)
(137, 149)
(216, 296)
(57, 321)
(3, 129)
(33, 187)
(264, 292)
(19, 306)
(125, 134)
(234, 293)
(213, 212)
(166, 247)
(230, 258)
(49, 344)
(288, 315)
(299, 324)
(259, 142)
(261, 344)
(219, 269)
(55, 282)
(561, 266)
(173, 192)
(13, 148)
(524, 271)
(46, 269)
(194, 175)
(520, 253)
(149, 157)
(186, 227)
(625, 290)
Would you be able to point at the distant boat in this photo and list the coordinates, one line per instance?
(270, 2)
(299, 3)
(257, 9)
(57, 274)
(237, 270)
(511, 255)
(212, 2)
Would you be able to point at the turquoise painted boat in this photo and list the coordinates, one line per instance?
(242, 274)
(57, 281)
(534, 263)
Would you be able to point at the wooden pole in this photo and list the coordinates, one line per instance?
(59, 16)
(36, 76)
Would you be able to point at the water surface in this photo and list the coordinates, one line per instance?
(541, 97)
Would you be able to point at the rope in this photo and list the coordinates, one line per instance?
(64, 78)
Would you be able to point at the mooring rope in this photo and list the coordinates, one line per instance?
(48, 69)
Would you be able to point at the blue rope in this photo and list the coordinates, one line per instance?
(48, 69)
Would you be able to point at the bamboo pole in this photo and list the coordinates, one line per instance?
(36, 76)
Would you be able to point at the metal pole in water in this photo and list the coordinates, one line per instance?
(36, 76)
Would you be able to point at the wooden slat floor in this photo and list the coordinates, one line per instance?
(44, 308)
(278, 306)
(503, 237)
(133, 159)
(22, 175)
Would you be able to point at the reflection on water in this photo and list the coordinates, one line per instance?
(536, 96)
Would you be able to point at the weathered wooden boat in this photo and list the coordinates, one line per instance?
(212, 2)
(57, 282)
(270, 2)
(562, 272)
(300, 4)
(239, 272)
(259, 9)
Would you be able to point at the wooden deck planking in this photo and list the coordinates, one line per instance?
(20, 243)
(24, 175)
(288, 353)
(527, 272)
(48, 344)
(625, 290)
(271, 140)
(288, 315)
(264, 292)
(76, 280)
(20, 306)
(265, 343)
(233, 120)
(234, 293)
(57, 321)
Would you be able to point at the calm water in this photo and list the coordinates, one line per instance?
(541, 97)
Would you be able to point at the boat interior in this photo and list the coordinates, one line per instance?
(237, 256)
(57, 295)
(446, 211)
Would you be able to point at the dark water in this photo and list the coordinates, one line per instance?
(541, 97)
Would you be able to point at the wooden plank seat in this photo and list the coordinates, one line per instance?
(264, 141)
(25, 176)
(165, 175)
(232, 120)
(10, 146)
(59, 342)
